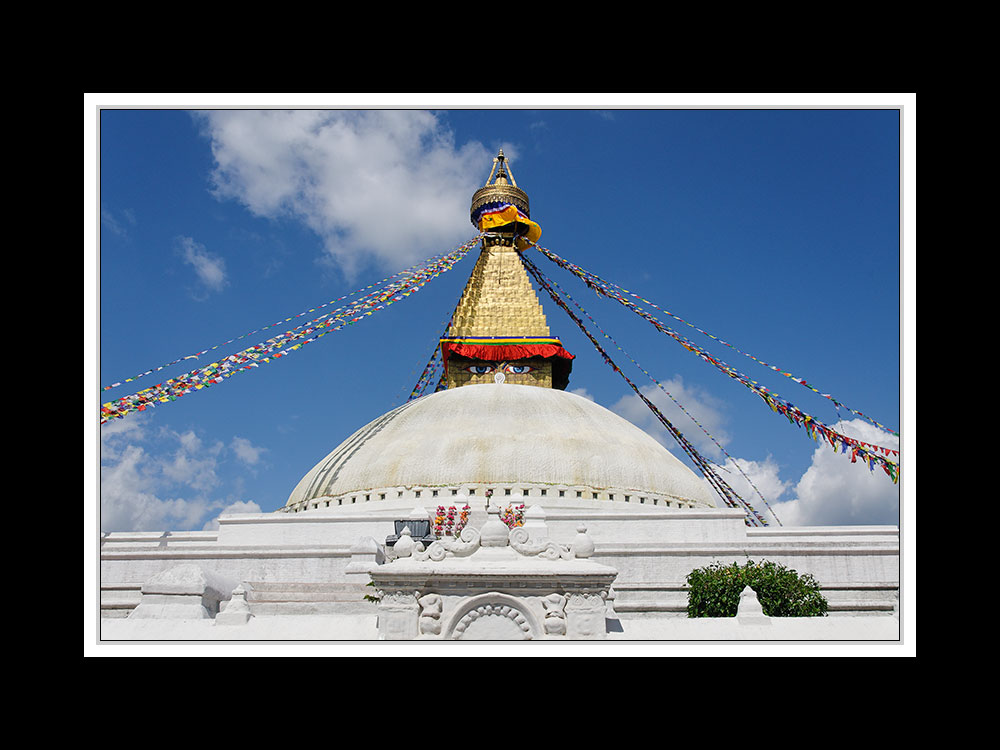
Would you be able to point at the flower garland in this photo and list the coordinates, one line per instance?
(513, 516)
(450, 521)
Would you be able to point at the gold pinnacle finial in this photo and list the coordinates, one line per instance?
(502, 189)
(504, 172)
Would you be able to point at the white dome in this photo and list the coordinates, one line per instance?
(501, 436)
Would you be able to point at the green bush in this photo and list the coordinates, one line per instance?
(714, 591)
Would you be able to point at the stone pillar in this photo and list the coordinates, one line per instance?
(366, 554)
(585, 616)
(398, 616)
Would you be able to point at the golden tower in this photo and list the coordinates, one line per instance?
(498, 332)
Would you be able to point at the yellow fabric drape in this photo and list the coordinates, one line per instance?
(495, 220)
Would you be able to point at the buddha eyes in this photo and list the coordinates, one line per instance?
(483, 369)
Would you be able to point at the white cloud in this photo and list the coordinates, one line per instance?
(131, 499)
(833, 491)
(210, 269)
(383, 186)
(117, 223)
(758, 482)
(246, 451)
(192, 463)
(747, 478)
(698, 403)
(160, 480)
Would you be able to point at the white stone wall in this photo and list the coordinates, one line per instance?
(313, 563)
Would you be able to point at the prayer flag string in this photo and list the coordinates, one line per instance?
(401, 286)
(659, 385)
(614, 291)
(728, 495)
(406, 272)
(871, 454)
(434, 366)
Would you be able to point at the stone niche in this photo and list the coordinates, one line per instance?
(493, 584)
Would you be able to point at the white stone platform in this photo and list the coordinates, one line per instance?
(304, 575)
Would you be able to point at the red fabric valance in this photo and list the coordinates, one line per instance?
(502, 352)
(508, 351)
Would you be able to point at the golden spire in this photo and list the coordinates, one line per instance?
(499, 299)
(499, 320)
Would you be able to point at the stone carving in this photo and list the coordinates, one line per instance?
(586, 614)
(583, 545)
(464, 545)
(555, 614)
(514, 584)
(398, 598)
(236, 611)
(519, 539)
(405, 546)
(397, 620)
(419, 524)
(493, 622)
(521, 542)
(431, 606)
(494, 532)
(749, 609)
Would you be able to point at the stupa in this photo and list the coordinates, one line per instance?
(502, 422)
(618, 514)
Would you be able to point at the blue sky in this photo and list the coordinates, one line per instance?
(777, 230)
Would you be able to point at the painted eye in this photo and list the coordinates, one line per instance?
(519, 369)
(479, 369)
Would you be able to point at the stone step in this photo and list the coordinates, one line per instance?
(287, 608)
(119, 601)
(276, 592)
(672, 598)
(292, 598)
(861, 599)
(649, 606)
(649, 597)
